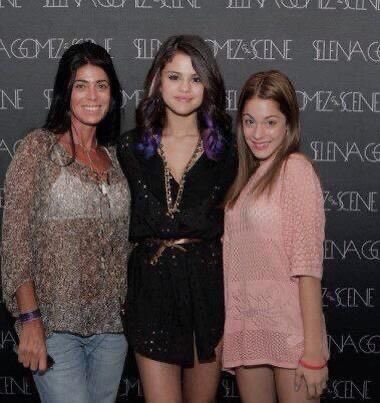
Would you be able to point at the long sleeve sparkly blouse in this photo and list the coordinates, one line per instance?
(67, 233)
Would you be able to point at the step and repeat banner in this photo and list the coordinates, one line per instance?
(331, 51)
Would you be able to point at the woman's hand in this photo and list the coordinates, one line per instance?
(315, 379)
(32, 348)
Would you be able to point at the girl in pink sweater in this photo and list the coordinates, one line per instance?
(275, 337)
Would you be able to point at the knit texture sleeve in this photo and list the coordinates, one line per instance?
(303, 217)
(18, 218)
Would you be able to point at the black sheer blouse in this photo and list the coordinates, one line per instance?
(179, 300)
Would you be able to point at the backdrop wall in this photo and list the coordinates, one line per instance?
(331, 51)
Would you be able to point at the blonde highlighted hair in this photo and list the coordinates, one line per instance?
(268, 85)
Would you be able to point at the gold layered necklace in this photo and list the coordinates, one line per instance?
(173, 206)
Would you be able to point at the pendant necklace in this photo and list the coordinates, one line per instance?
(99, 177)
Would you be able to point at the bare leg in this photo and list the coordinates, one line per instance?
(256, 384)
(161, 382)
(200, 383)
(286, 390)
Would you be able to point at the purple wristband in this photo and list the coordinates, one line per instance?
(29, 316)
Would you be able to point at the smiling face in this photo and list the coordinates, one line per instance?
(90, 96)
(264, 127)
(181, 87)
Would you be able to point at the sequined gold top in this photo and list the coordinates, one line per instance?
(69, 234)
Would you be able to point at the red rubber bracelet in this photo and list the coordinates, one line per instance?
(311, 366)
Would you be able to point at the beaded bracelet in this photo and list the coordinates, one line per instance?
(312, 366)
(29, 316)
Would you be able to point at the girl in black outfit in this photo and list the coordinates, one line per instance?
(179, 163)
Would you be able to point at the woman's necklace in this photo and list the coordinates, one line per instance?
(99, 177)
(173, 206)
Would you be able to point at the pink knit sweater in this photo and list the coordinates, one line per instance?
(268, 243)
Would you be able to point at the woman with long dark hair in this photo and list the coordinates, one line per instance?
(65, 236)
(179, 162)
(275, 336)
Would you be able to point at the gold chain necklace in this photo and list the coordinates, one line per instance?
(173, 206)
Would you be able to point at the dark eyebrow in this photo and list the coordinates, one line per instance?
(266, 117)
(86, 81)
(272, 116)
(177, 72)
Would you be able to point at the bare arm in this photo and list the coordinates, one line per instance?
(311, 310)
(304, 222)
(32, 348)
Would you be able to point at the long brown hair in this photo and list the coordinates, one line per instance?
(269, 85)
(213, 120)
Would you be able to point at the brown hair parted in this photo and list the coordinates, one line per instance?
(269, 85)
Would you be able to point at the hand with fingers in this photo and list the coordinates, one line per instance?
(315, 377)
(32, 347)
